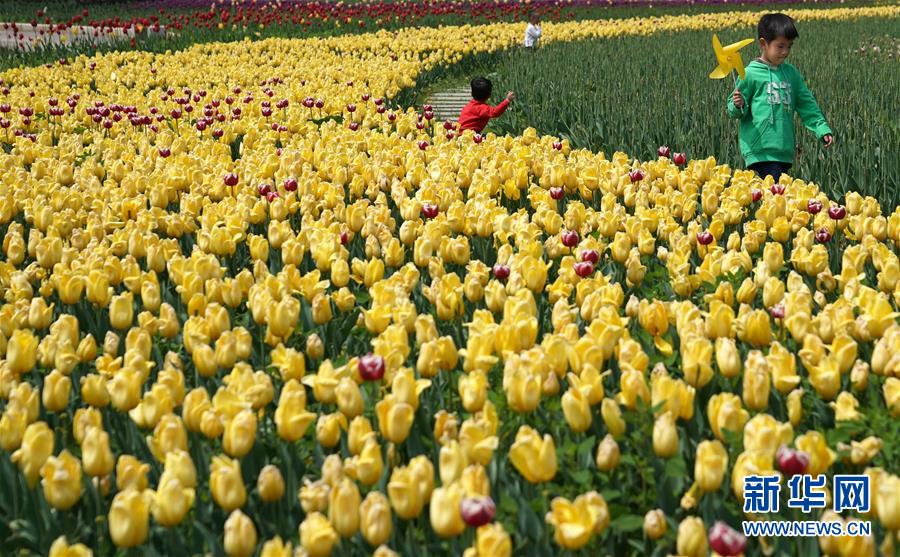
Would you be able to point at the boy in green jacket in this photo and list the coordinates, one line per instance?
(766, 99)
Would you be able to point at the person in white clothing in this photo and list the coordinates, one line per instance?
(533, 32)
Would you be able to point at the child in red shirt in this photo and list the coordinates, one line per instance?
(477, 113)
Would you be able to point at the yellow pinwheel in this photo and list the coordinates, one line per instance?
(729, 58)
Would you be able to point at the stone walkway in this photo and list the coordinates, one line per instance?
(28, 37)
(447, 104)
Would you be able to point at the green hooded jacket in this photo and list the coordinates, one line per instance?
(771, 95)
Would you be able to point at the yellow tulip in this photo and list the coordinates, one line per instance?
(821, 456)
(375, 519)
(710, 465)
(62, 549)
(576, 410)
(343, 510)
(178, 463)
(97, 457)
(533, 457)
(129, 517)
(446, 520)
(725, 412)
(121, 311)
(756, 328)
(491, 540)
(240, 535)
(276, 547)
(612, 417)
(62, 481)
(655, 524)
(728, 359)
(317, 536)
(691, 540)
(172, 500)
(756, 381)
(21, 351)
(394, 418)
(270, 484)
(314, 496)
(665, 435)
(607, 454)
(574, 522)
(240, 434)
(226, 483)
(12, 427)
(37, 447)
(406, 497)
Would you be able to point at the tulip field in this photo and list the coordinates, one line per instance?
(684, 108)
(255, 303)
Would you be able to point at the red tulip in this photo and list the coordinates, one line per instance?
(777, 189)
(477, 138)
(477, 511)
(570, 238)
(636, 175)
(756, 194)
(290, 184)
(705, 238)
(345, 238)
(421, 126)
(449, 135)
(423, 145)
(584, 268)
(263, 189)
(777, 311)
(501, 272)
(371, 367)
(557, 145)
(791, 461)
(590, 255)
(354, 126)
(679, 158)
(391, 117)
(230, 179)
(271, 196)
(448, 125)
(823, 235)
(164, 152)
(813, 206)
(726, 541)
(430, 210)
(557, 193)
(836, 212)
(664, 151)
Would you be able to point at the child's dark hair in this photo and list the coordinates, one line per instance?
(774, 26)
(481, 88)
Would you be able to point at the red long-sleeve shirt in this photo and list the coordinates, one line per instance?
(475, 115)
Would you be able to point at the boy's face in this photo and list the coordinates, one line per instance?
(776, 50)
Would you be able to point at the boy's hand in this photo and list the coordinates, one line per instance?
(737, 99)
(829, 141)
(510, 96)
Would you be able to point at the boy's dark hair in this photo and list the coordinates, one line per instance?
(774, 26)
(481, 88)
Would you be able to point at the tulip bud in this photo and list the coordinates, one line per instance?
(655, 524)
(270, 484)
(607, 454)
(665, 436)
(692, 538)
(343, 510)
(240, 535)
